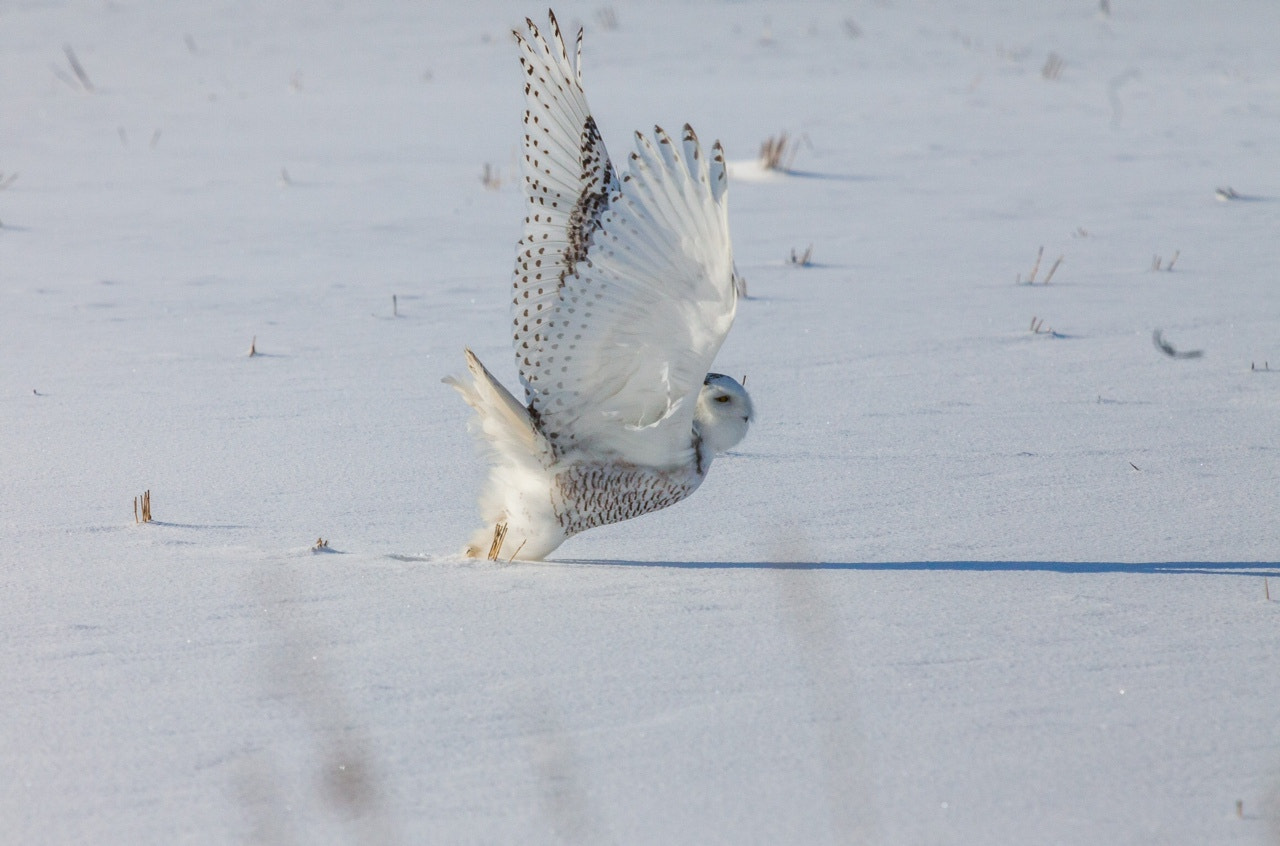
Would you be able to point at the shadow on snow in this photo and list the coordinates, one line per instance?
(1214, 568)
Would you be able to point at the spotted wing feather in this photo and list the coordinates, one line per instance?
(568, 180)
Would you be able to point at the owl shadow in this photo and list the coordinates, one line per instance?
(1216, 568)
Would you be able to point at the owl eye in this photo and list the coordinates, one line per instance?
(724, 398)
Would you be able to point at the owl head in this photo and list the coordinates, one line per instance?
(724, 412)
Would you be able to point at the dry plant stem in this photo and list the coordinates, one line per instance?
(771, 151)
(1052, 67)
(777, 152)
(145, 502)
(77, 68)
(1031, 280)
(1053, 270)
(1038, 327)
(499, 535)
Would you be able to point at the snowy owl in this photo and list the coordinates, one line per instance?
(624, 291)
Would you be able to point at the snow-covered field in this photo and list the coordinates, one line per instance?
(964, 582)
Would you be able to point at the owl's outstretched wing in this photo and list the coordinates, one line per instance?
(624, 289)
(568, 178)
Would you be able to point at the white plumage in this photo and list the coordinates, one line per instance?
(623, 293)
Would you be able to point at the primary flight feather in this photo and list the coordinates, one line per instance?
(624, 290)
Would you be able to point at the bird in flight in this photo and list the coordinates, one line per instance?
(624, 290)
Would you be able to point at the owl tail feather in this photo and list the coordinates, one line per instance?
(518, 454)
(505, 421)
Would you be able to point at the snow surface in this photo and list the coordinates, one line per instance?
(963, 582)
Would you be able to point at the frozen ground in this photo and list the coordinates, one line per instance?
(963, 583)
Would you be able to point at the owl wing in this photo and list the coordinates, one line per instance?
(568, 178)
(624, 289)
